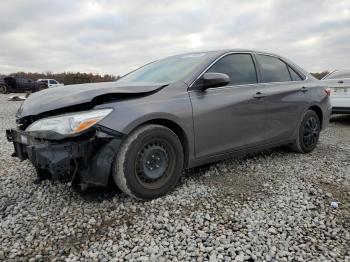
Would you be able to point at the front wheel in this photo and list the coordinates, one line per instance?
(309, 133)
(149, 162)
(3, 89)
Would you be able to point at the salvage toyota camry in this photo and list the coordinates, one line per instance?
(172, 114)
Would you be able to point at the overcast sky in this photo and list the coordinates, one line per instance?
(116, 36)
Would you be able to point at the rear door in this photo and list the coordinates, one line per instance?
(231, 117)
(21, 84)
(287, 96)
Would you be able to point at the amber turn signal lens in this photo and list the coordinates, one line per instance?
(86, 124)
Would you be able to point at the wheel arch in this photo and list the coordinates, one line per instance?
(318, 111)
(177, 129)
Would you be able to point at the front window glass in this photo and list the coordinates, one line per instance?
(166, 70)
(239, 67)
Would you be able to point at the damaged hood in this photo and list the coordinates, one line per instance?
(71, 95)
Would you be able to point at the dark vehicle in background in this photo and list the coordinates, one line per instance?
(50, 82)
(339, 82)
(179, 112)
(19, 84)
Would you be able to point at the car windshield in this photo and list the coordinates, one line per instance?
(339, 74)
(167, 70)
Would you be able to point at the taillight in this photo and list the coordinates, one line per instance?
(328, 91)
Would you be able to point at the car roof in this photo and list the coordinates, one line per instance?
(224, 51)
(218, 53)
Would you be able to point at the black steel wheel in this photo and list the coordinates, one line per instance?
(154, 161)
(149, 162)
(309, 133)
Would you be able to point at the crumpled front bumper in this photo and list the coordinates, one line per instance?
(86, 158)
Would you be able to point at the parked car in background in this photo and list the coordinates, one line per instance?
(339, 82)
(179, 112)
(50, 82)
(20, 84)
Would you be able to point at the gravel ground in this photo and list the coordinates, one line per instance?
(272, 206)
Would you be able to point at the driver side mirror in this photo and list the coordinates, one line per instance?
(212, 80)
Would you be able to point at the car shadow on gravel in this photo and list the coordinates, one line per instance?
(239, 185)
(98, 194)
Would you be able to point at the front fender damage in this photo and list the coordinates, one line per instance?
(85, 160)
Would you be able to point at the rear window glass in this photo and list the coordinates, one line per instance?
(273, 69)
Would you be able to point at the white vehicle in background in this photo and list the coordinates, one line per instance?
(339, 82)
(51, 82)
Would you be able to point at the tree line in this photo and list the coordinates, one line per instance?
(320, 75)
(69, 78)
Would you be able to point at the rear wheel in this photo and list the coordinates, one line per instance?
(309, 132)
(42, 87)
(3, 89)
(149, 162)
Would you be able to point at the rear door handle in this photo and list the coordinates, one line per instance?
(259, 95)
(340, 82)
(304, 89)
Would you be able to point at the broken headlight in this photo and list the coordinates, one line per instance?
(69, 124)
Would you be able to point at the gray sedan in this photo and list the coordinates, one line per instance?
(172, 114)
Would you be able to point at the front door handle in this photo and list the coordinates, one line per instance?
(259, 95)
(304, 89)
(340, 82)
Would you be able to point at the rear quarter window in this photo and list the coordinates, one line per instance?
(294, 75)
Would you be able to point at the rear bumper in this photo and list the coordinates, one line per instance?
(341, 110)
(86, 159)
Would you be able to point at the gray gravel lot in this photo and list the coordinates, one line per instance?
(272, 206)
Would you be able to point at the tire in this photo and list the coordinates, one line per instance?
(3, 89)
(149, 162)
(42, 174)
(308, 134)
(41, 87)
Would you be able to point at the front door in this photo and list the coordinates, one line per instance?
(231, 117)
